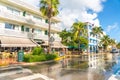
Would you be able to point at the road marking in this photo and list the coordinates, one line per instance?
(34, 76)
(14, 72)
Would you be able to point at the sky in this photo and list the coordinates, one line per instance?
(104, 13)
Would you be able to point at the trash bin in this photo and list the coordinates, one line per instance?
(20, 56)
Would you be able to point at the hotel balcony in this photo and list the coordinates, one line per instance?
(6, 16)
(26, 7)
(40, 36)
(45, 37)
(42, 24)
(15, 33)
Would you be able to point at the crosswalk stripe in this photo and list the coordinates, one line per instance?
(34, 76)
(14, 72)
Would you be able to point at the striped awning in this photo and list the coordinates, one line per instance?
(7, 41)
(45, 43)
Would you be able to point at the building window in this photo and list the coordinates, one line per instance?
(8, 26)
(11, 26)
(33, 30)
(27, 29)
(91, 34)
(90, 40)
(46, 21)
(10, 10)
(37, 31)
(14, 11)
(22, 28)
(90, 27)
(24, 13)
(46, 32)
(91, 48)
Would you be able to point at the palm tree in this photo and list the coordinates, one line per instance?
(112, 42)
(49, 9)
(105, 41)
(79, 29)
(118, 45)
(97, 31)
(66, 37)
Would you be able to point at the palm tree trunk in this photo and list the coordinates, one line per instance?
(79, 47)
(49, 34)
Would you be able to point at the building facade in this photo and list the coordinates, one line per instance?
(96, 57)
(22, 25)
(92, 39)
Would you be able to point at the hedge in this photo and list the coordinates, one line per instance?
(37, 51)
(38, 58)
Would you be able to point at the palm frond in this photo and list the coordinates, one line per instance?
(50, 7)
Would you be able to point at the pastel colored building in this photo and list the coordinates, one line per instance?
(94, 52)
(91, 38)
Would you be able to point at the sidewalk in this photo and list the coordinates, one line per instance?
(7, 61)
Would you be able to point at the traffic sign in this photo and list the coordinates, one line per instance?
(52, 39)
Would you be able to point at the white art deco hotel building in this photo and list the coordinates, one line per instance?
(22, 25)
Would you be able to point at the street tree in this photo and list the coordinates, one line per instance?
(79, 31)
(97, 31)
(118, 45)
(49, 9)
(105, 41)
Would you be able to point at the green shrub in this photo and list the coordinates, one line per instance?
(34, 58)
(38, 58)
(37, 51)
(51, 56)
(27, 57)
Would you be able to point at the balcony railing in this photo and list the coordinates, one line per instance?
(27, 20)
(16, 33)
(27, 7)
(45, 25)
(38, 22)
(19, 2)
(40, 36)
(45, 37)
(10, 16)
(9, 32)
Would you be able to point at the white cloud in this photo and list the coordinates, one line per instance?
(77, 9)
(112, 27)
(73, 9)
(94, 5)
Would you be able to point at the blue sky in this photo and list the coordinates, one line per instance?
(110, 18)
(105, 13)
